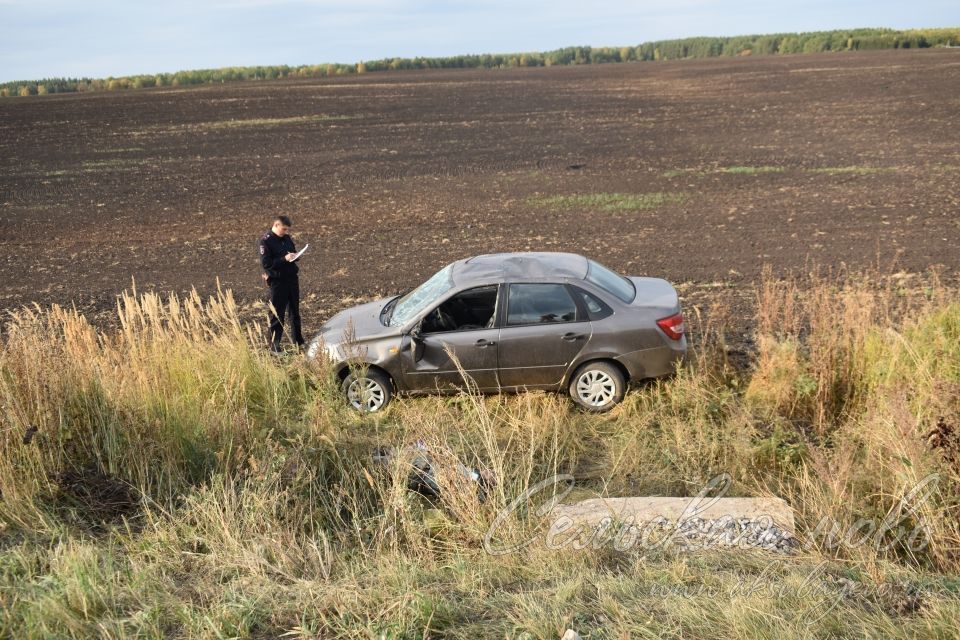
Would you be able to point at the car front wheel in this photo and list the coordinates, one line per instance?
(368, 391)
(597, 386)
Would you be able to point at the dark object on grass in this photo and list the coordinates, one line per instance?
(28, 435)
(423, 473)
(945, 438)
(99, 498)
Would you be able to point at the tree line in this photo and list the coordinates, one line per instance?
(685, 48)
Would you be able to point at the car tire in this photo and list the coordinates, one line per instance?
(597, 386)
(368, 391)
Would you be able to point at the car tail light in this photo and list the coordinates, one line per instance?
(672, 326)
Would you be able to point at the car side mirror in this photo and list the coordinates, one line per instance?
(415, 333)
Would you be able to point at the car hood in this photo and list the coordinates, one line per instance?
(358, 323)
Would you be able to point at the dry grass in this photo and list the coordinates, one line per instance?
(757, 170)
(245, 123)
(751, 170)
(170, 479)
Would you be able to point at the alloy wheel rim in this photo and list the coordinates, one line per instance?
(366, 394)
(596, 388)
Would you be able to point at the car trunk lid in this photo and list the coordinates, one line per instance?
(655, 294)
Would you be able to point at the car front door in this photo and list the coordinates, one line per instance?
(543, 331)
(464, 327)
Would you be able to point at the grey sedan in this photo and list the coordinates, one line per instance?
(507, 322)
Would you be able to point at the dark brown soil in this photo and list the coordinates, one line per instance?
(836, 159)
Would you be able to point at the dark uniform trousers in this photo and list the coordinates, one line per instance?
(284, 284)
(284, 297)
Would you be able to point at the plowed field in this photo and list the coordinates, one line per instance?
(698, 171)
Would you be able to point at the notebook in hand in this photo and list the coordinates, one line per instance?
(300, 253)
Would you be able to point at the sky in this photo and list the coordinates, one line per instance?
(99, 38)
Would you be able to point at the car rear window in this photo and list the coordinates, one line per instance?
(540, 304)
(610, 281)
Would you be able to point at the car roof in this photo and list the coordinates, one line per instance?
(497, 267)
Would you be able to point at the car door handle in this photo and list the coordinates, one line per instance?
(483, 344)
(570, 337)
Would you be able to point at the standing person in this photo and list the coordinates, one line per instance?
(276, 257)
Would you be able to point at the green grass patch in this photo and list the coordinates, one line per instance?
(113, 163)
(267, 122)
(746, 170)
(855, 170)
(676, 173)
(751, 170)
(249, 123)
(610, 201)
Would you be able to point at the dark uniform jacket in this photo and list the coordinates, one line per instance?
(273, 248)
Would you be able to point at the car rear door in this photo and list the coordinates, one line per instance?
(543, 330)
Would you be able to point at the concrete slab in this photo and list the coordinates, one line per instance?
(639, 510)
(685, 523)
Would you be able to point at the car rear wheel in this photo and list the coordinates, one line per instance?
(368, 391)
(597, 386)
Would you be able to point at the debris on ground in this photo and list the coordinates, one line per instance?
(425, 467)
(97, 497)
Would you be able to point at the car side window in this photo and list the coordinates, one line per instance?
(597, 309)
(539, 304)
(471, 309)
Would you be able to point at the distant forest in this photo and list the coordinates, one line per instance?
(701, 47)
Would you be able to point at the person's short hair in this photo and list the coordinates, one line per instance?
(284, 220)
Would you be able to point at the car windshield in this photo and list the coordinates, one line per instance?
(417, 300)
(610, 281)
